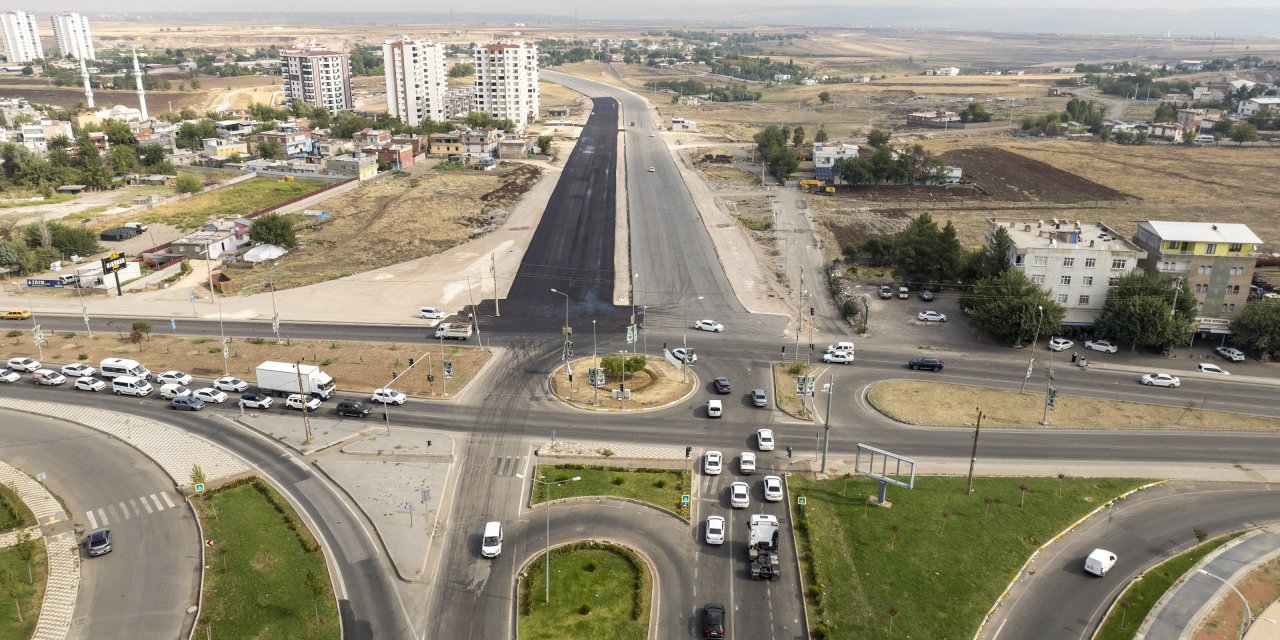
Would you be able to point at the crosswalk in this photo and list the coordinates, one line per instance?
(130, 509)
(509, 465)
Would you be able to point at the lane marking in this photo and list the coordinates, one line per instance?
(146, 505)
(93, 522)
(133, 502)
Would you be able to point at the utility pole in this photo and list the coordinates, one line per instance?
(1032, 362)
(494, 261)
(826, 434)
(973, 455)
(306, 419)
(800, 311)
(1048, 390)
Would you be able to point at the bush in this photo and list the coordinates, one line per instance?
(661, 484)
(273, 228)
(82, 357)
(820, 632)
(585, 608)
(14, 333)
(813, 591)
(188, 183)
(619, 480)
(591, 566)
(796, 368)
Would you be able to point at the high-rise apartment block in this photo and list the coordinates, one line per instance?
(318, 76)
(21, 37)
(1216, 260)
(507, 81)
(71, 34)
(416, 80)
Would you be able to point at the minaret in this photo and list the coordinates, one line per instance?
(88, 91)
(142, 96)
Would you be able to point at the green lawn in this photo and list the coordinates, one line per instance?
(13, 571)
(1143, 594)
(659, 487)
(256, 573)
(13, 513)
(229, 202)
(597, 591)
(940, 574)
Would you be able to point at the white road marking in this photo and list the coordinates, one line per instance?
(159, 507)
(133, 502)
(146, 505)
(167, 500)
(93, 522)
(124, 508)
(102, 515)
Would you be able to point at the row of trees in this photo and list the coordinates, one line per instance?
(30, 248)
(26, 170)
(728, 93)
(887, 165)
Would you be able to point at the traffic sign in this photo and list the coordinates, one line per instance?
(631, 334)
(448, 369)
(173, 324)
(275, 322)
(209, 543)
(38, 335)
(199, 487)
(802, 501)
(684, 499)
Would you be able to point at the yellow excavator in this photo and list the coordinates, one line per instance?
(808, 185)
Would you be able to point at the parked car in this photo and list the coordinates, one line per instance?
(174, 377)
(78, 370)
(89, 383)
(712, 463)
(926, 362)
(254, 400)
(903, 293)
(839, 357)
(1160, 380)
(747, 463)
(740, 495)
(886, 292)
(186, 403)
(688, 356)
(23, 364)
(713, 621)
(764, 439)
(388, 396)
(1060, 344)
(9, 375)
(931, 316)
(708, 325)
(47, 377)
(759, 398)
(353, 407)
(229, 383)
(715, 530)
(1105, 346)
(297, 400)
(98, 542)
(17, 314)
(722, 386)
(926, 295)
(1205, 367)
(1231, 353)
(209, 394)
(773, 489)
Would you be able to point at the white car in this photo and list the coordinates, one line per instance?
(47, 377)
(229, 383)
(764, 439)
(173, 390)
(1205, 367)
(174, 377)
(712, 463)
(388, 396)
(78, 370)
(840, 347)
(747, 463)
(89, 383)
(295, 400)
(430, 313)
(209, 394)
(1160, 380)
(740, 495)
(23, 364)
(652, 169)
(255, 401)
(1105, 346)
(679, 353)
(839, 357)
(773, 488)
(715, 530)
(708, 325)
(9, 375)
(1230, 353)
(931, 316)
(1060, 344)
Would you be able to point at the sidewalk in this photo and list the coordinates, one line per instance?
(59, 604)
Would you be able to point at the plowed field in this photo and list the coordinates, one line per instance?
(1009, 177)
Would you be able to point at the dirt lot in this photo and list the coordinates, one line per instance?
(1260, 587)
(356, 366)
(393, 220)
(1011, 177)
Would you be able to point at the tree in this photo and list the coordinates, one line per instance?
(1022, 503)
(270, 150)
(462, 70)
(27, 545)
(1010, 307)
(11, 257)
(1243, 133)
(878, 138)
(1257, 328)
(1137, 311)
(151, 154)
(13, 589)
(1166, 112)
(1222, 126)
(188, 183)
(824, 97)
(118, 132)
(797, 136)
(139, 333)
(197, 474)
(613, 365)
(315, 589)
(924, 254)
(544, 145)
(123, 159)
(195, 84)
(878, 249)
(821, 135)
(273, 228)
(63, 239)
(974, 112)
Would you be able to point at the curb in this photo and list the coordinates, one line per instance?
(203, 563)
(693, 389)
(773, 377)
(589, 499)
(795, 548)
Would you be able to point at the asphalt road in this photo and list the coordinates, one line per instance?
(140, 590)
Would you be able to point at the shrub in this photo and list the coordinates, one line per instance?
(83, 356)
(585, 608)
(592, 566)
(619, 480)
(661, 483)
(814, 591)
(796, 368)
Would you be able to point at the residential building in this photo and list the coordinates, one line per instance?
(416, 79)
(507, 81)
(318, 76)
(934, 119)
(1170, 131)
(513, 146)
(943, 71)
(1253, 105)
(71, 34)
(459, 101)
(368, 136)
(478, 144)
(220, 148)
(21, 37)
(36, 135)
(684, 124)
(397, 156)
(445, 145)
(1072, 260)
(1216, 260)
(293, 142)
(825, 156)
(358, 166)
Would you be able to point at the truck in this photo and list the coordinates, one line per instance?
(762, 547)
(454, 330)
(283, 378)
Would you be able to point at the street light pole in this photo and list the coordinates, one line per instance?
(1247, 611)
(684, 337)
(1032, 362)
(566, 312)
(547, 553)
(595, 390)
(634, 277)
(826, 433)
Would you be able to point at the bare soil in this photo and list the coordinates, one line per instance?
(657, 385)
(1260, 587)
(1011, 177)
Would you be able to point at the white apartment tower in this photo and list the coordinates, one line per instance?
(71, 33)
(21, 38)
(416, 80)
(507, 81)
(318, 76)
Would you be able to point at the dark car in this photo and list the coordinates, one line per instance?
(722, 385)
(350, 407)
(98, 542)
(927, 362)
(713, 620)
(186, 403)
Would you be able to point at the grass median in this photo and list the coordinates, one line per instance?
(265, 577)
(23, 582)
(932, 564)
(952, 405)
(14, 513)
(659, 487)
(597, 590)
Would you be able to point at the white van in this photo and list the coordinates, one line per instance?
(1204, 138)
(491, 545)
(114, 367)
(130, 386)
(1099, 562)
(171, 391)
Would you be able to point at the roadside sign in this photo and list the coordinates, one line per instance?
(209, 543)
(199, 487)
(631, 334)
(684, 499)
(113, 262)
(802, 501)
(37, 283)
(275, 322)
(173, 324)
(448, 369)
(38, 334)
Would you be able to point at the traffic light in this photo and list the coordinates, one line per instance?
(568, 347)
(428, 444)
(570, 377)
(687, 451)
(784, 350)
(788, 452)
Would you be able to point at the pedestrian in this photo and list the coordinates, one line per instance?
(1074, 356)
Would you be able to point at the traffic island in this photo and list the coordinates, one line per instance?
(649, 383)
(661, 488)
(786, 377)
(597, 590)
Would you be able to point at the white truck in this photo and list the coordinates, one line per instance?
(282, 379)
(454, 330)
(762, 547)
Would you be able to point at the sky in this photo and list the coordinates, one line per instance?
(642, 8)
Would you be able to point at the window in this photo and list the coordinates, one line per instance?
(1224, 307)
(1231, 307)
(1235, 290)
(1084, 301)
(1173, 244)
(1211, 248)
(1087, 281)
(1235, 247)
(1090, 262)
(1119, 264)
(1062, 298)
(1199, 306)
(1206, 269)
(1065, 281)
(1111, 282)
(1042, 261)
(1169, 265)
(1037, 279)
(1068, 262)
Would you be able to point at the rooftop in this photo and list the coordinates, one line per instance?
(1230, 233)
(1056, 233)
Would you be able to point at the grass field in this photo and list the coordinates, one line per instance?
(1143, 594)
(947, 405)
(14, 513)
(14, 200)
(29, 595)
(659, 487)
(597, 591)
(256, 577)
(921, 558)
(229, 202)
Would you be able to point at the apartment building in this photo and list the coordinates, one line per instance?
(825, 156)
(1074, 261)
(416, 79)
(1215, 259)
(37, 134)
(71, 34)
(21, 37)
(507, 81)
(459, 101)
(318, 76)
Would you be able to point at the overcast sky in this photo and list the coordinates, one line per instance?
(560, 7)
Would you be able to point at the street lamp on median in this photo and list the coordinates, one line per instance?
(566, 311)
(547, 554)
(1032, 362)
(684, 321)
(1247, 611)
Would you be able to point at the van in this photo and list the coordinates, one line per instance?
(1099, 562)
(114, 367)
(171, 391)
(1204, 138)
(840, 347)
(491, 545)
(68, 278)
(130, 386)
